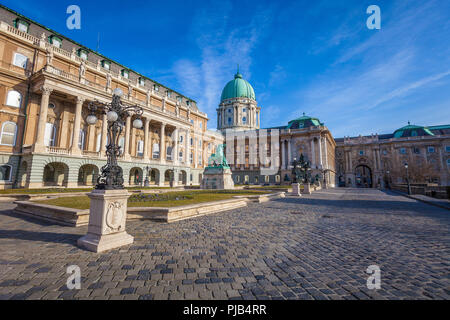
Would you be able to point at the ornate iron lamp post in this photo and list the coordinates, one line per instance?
(111, 176)
(108, 209)
(407, 178)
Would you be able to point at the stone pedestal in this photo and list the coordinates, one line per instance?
(217, 178)
(296, 190)
(307, 188)
(107, 219)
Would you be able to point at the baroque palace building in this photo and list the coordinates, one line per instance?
(46, 83)
(374, 161)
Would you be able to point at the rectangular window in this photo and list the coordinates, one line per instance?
(191, 158)
(155, 151)
(5, 173)
(402, 151)
(83, 54)
(448, 162)
(106, 64)
(200, 158)
(125, 74)
(169, 153)
(416, 150)
(21, 25)
(20, 60)
(156, 87)
(140, 148)
(447, 149)
(361, 152)
(180, 156)
(49, 135)
(141, 81)
(169, 94)
(430, 149)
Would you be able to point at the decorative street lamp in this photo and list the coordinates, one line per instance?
(111, 176)
(147, 181)
(108, 208)
(407, 178)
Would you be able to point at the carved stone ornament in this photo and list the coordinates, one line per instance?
(114, 216)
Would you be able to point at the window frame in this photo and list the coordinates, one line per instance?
(52, 38)
(125, 73)
(20, 99)
(16, 54)
(9, 134)
(80, 51)
(19, 21)
(105, 63)
(431, 148)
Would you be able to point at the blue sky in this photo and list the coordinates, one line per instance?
(316, 57)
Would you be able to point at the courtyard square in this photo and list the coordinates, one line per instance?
(318, 246)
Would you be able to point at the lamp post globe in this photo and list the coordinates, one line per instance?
(112, 116)
(118, 92)
(137, 123)
(91, 119)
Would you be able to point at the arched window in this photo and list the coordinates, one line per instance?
(14, 99)
(5, 172)
(8, 134)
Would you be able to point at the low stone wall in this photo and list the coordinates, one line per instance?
(78, 217)
(184, 212)
(60, 215)
(439, 192)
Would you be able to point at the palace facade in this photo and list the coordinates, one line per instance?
(46, 83)
(374, 161)
(48, 80)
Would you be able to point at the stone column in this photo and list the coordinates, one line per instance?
(195, 153)
(175, 149)
(39, 145)
(187, 149)
(283, 155)
(146, 134)
(126, 144)
(104, 135)
(325, 149)
(313, 153)
(289, 153)
(162, 144)
(76, 127)
(320, 153)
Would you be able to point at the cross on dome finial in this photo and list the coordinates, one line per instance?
(409, 122)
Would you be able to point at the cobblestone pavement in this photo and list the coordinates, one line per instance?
(314, 247)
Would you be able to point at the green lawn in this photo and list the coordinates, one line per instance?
(65, 190)
(169, 199)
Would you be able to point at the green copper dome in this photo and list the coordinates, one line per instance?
(238, 88)
(304, 122)
(412, 131)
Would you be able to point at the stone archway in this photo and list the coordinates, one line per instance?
(363, 176)
(87, 175)
(182, 178)
(136, 176)
(168, 176)
(56, 174)
(154, 176)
